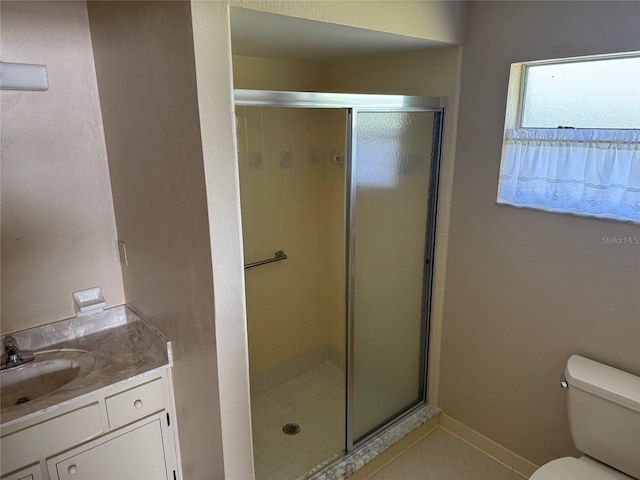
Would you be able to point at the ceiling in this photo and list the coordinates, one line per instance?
(261, 34)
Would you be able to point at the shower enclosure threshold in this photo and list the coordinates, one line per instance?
(373, 447)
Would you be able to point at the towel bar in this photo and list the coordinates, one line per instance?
(279, 255)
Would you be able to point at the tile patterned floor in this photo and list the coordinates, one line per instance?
(315, 401)
(441, 456)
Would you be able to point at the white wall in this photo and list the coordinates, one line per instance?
(526, 289)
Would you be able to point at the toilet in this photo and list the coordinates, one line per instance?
(604, 417)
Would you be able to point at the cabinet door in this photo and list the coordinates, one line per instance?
(49, 437)
(31, 473)
(135, 455)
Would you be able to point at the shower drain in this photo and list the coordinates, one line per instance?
(291, 428)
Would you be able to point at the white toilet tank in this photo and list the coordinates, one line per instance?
(604, 413)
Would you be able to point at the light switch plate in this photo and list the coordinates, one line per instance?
(124, 258)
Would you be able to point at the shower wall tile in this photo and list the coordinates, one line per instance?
(444, 215)
(287, 205)
(334, 308)
(448, 157)
(255, 161)
(442, 239)
(270, 128)
(253, 119)
(285, 159)
(451, 127)
(446, 183)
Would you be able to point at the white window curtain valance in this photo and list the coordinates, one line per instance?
(586, 172)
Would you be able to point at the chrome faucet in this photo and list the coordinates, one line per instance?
(13, 356)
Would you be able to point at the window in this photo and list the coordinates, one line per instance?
(572, 137)
(602, 94)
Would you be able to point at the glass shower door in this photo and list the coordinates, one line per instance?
(390, 245)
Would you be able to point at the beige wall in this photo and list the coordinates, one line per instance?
(526, 289)
(58, 225)
(145, 65)
(440, 21)
(277, 74)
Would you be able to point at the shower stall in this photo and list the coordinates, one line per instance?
(338, 196)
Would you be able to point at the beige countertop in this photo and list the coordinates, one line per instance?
(124, 347)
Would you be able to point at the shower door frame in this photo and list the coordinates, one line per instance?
(429, 261)
(355, 103)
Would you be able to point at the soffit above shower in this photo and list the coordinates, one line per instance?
(261, 34)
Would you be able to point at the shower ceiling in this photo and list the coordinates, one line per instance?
(261, 34)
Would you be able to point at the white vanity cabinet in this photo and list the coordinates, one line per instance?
(31, 473)
(124, 432)
(135, 453)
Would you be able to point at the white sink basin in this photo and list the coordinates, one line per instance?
(49, 371)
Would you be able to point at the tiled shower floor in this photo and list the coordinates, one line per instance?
(315, 401)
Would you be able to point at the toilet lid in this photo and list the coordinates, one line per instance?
(570, 468)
